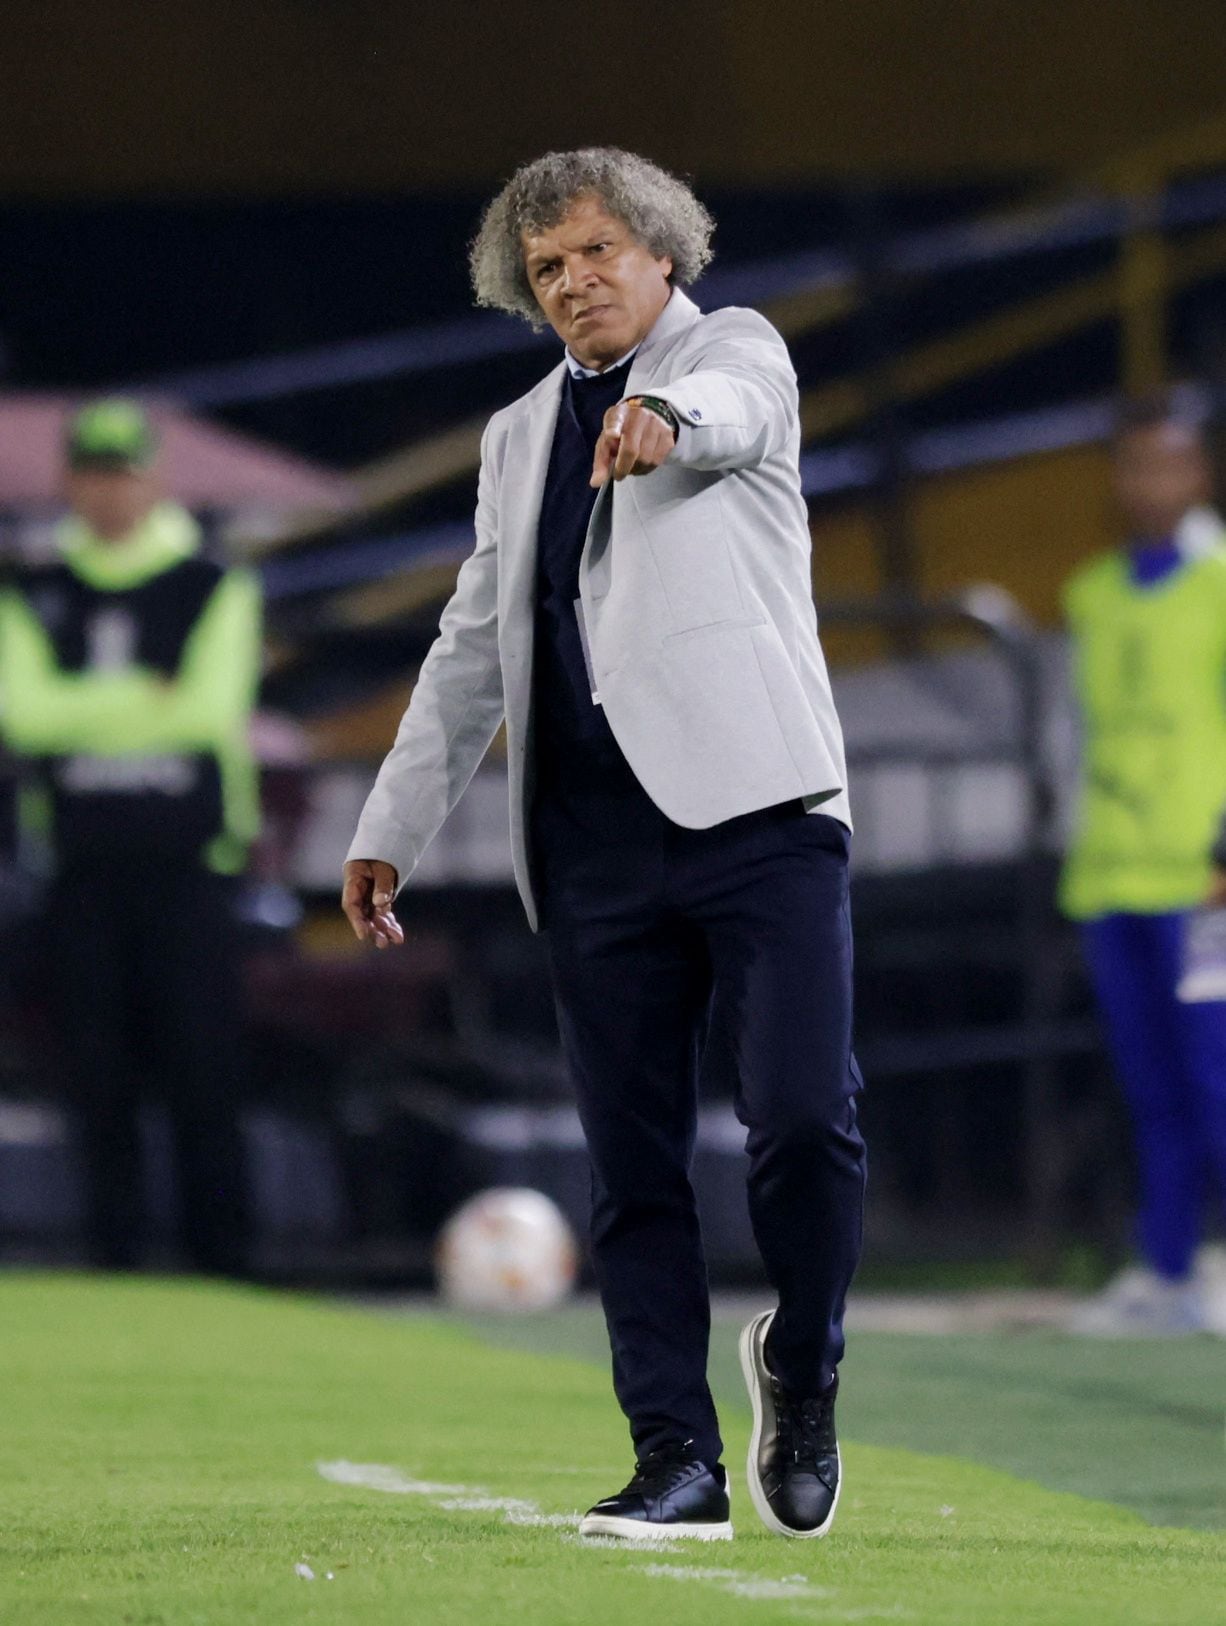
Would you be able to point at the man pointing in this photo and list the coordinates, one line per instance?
(678, 804)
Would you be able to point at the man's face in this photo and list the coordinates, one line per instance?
(112, 502)
(1158, 473)
(599, 288)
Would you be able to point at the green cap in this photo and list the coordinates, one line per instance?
(110, 434)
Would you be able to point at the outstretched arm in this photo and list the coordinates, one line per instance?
(740, 402)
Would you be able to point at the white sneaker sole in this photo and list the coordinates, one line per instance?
(752, 1339)
(607, 1524)
(601, 1524)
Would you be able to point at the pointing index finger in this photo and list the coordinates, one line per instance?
(602, 460)
(627, 453)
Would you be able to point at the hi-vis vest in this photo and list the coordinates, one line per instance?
(127, 675)
(1150, 675)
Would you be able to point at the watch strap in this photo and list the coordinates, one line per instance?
(661, 408)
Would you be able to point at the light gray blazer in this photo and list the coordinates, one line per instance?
(695, 601)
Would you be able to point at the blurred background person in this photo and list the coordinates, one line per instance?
(128, 669)
(1148, 624)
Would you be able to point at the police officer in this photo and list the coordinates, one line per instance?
(128, 670)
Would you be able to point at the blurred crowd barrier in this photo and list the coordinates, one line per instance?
(384, 1089)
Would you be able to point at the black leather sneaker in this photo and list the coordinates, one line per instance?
(672, 1495)
(794, 1468)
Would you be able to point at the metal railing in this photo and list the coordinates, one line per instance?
(1035, 1038)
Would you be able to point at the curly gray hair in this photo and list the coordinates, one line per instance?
(659, 209)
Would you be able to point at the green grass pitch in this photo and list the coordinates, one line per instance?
(161, 1446)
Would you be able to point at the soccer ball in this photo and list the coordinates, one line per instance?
(508, 1248)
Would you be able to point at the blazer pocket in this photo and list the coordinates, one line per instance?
(688, 539)
(726, 625)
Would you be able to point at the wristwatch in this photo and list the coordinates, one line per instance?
(653, 403)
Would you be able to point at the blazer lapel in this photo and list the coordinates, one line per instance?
(527, 463)
(680, 312)
(523, 488)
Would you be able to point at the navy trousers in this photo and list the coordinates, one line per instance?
(1171, 1061)
(663, 940)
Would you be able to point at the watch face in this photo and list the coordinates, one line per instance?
(661, 409)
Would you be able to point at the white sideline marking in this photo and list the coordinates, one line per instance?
(792, 1588)
(743, 1585)
(479, 1502)
(615, 1544)
(377, 1476)
(519, 1510)
(452, 1498)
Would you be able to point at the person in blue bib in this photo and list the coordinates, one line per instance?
(1148, 627)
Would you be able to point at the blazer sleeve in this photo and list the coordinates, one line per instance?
(739, 402)
(453, 714)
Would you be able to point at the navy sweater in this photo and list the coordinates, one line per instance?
(574, 745)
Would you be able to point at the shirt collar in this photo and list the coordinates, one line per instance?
(578, 370)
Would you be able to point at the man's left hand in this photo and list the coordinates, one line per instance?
(634, 440)
(1217, 889)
